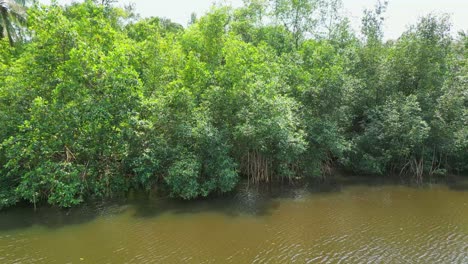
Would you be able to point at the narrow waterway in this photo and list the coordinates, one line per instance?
(355, 223)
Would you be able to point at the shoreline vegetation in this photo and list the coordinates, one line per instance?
(95, 101)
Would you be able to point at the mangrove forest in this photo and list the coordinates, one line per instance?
(96, 101)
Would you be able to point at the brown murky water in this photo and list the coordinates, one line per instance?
(354, 224)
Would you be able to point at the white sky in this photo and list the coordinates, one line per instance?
(399, 15)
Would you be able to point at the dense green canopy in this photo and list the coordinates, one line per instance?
(95, 101)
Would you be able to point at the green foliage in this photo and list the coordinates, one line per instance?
(67, 133)
(372, 23)
(394, 133)
(203, 166)
(298, 16)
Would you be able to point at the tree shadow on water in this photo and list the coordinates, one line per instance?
(249, 202)
(246, 200)
(458, 183)
(23, 215)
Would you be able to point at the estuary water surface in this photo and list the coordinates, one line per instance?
(350, 224)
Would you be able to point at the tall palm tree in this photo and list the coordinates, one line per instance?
(13, 16)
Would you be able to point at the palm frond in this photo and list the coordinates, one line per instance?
(12, 17)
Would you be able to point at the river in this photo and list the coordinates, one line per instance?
(344, 223)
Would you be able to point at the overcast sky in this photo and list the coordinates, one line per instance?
(400, 13)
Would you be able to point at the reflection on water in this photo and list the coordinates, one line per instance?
(355, 223)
